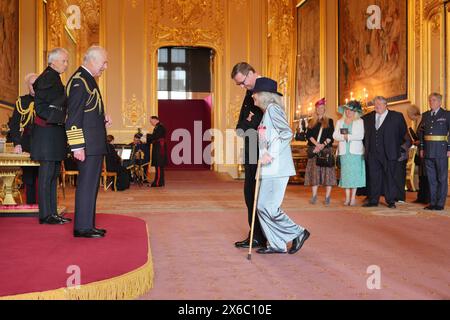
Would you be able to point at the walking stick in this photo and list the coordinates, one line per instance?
(255, 202)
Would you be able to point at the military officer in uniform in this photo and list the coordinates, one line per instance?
(20, 126)
(48, 139)
(435, 149)
(86, 131)
(159, 150)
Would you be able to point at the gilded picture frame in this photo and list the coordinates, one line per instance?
(9, 52)
(374, 61)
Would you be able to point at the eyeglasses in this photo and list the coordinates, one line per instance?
(242, 83)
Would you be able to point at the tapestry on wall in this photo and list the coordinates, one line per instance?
(373, 49)
(308, 56)
(9, 51)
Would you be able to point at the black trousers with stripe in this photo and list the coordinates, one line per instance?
(159, 177)
(87, 189)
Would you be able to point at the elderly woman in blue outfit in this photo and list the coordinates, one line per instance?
(349, 132)
(275, 154)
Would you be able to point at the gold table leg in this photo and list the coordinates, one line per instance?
(8, 176)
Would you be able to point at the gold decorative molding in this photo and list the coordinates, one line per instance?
(187, 22)
(280, 36)
(133, 113)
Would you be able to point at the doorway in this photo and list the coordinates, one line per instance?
(185, 103)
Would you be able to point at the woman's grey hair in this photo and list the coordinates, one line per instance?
(267, 98)
(93, 53)
(54, 54)
(381, 99)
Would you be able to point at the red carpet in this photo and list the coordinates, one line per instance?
(35, 258)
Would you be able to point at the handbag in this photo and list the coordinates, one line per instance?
(325, 159)
(338, 159)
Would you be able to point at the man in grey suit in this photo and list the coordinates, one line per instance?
(275, 154)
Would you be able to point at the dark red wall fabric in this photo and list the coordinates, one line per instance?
(182, 114)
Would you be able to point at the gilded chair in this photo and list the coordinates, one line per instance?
(107, 174)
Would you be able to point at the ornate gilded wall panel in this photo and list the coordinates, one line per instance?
(9, 51)
(281, 31)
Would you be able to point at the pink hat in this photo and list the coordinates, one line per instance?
(321, 102)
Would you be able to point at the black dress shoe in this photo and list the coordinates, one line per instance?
(242, 244)
(430, 207)
(87, 234)
(297, 243)
(438, 208)
(65, 219)
(246, 244)
(53, 220)
(370, 205)
(392, 206)
(99, 230)
(269, 250)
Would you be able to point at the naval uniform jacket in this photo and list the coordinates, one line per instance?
(85, 123)
(21, 122)
(48, 138)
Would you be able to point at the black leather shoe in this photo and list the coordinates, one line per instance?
(65, 219)
(242, 244)
(430, 207)
(370, 205)
(392, 206)
(269, 250)
(53, 220)
(297, 243)
(246, 244)
(87, 234)
(99, 230)
(438, 208)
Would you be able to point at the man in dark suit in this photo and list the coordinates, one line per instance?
(385, 131)
(48, 138)
(20, 126)
(86, 131)
(159, 151)
(244, 75)
(435, 149)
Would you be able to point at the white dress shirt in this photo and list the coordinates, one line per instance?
(380, 118)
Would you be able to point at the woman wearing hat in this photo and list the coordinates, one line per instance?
(350, 134)
(320, 139)
(275, 136)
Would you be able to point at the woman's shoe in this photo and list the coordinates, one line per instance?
(327, 201)
(347, 203)
(313, 200)
(352, 203)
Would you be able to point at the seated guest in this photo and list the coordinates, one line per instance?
(320, 139)
(275, 136)
(140, 154)
(114, 164)
(350, 134)
(423, 194)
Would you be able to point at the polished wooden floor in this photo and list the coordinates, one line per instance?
(194, 221)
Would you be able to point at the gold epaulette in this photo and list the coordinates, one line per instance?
(75, 136)
(93, 94)
(26, 115)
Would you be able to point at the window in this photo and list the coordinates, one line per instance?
(183, 71)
